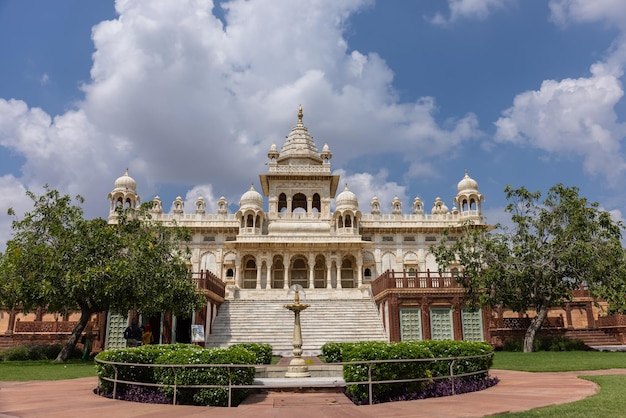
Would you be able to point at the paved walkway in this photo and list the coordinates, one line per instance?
(517, 391)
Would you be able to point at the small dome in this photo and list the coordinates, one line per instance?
(467, 184)
(346, 200)
(439, 208)
(126, 182)
(251, 198)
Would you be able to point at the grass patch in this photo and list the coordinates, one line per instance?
(21, 371)
(559, 361)
(609, 402)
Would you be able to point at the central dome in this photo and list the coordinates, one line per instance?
(299, 148)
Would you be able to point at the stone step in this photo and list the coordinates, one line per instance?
(593, 337)
(325, 320)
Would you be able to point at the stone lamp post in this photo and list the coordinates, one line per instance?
(297, 366)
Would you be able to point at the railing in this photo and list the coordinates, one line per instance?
(524, 323)
(206, 280)
(40, 327)
(611, 321)
(391, 279)
(297, 383)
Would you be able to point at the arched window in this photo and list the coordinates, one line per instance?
(250, 221)
(282, 202)
(299, 201)
(348, 221)
(230, 273)
(278, 276)
(319, 273)
(299, 272)
(317, 203)
(249, 274)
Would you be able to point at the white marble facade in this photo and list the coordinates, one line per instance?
(291, 234)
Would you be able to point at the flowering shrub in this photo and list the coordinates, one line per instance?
(207, 376)
(145, 354)
(430, 370)
(262, 352)
(145, 394)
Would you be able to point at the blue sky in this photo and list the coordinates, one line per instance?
(190, 95)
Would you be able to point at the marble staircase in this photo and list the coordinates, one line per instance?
(334, 315)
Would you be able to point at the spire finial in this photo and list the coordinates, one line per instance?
(300, 115)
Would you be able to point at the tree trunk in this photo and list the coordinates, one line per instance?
(64, 354)
(535, 325)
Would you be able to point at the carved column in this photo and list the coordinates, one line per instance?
(339, 272)
(258, 273)
(311, 262)
(237, 271)
(457, 319)
(329, 280)
(287, 265)
(268, 282)
(425, 310)
(359, 270)
(568, 316)
(394, 319)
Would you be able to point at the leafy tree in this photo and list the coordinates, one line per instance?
(60, 261)
(555, 246)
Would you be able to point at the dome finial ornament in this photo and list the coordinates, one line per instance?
(300, 115)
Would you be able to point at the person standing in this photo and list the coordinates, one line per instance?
(146, 337)
(132, 334)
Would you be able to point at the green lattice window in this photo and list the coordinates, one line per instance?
(472, 325)
(441, 324)
(410, 324)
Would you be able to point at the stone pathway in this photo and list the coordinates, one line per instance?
(517, 391)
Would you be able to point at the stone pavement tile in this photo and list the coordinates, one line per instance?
(517, 391)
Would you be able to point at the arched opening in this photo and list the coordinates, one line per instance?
(250, 221)
(249, 274)
(347, 273)
(298, 201)
(348, 221)
(230, 273)
(317, 203)
(282, 202)
(298, 274)
(278, 274)
(319, 273)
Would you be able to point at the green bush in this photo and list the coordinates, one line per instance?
(332, 352)
(207, 376)
(145, 354)
(557, 343)
(34, 352)
(15, 354)
(431, 350)
(262, 352)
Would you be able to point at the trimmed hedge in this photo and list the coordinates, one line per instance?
(183, 354)
(262, 352)
(35, 352)
(547, 344)
(145, 354)
(354, 352)
(207, 376)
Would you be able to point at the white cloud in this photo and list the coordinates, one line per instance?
(365, 186)
(205, 191)
(13, 195)
(470, 9)
(180, 98)
(572, 116)
(612, 12)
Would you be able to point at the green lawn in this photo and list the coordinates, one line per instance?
(609, 402)
(45, 370)
(559, 361)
